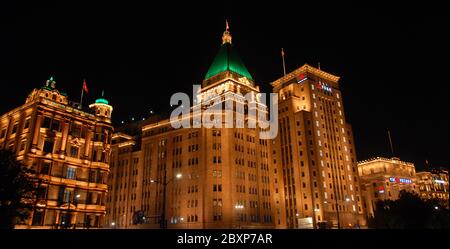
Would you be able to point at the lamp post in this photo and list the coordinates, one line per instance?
(165, 182)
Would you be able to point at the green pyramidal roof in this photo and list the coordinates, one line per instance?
(227, 59)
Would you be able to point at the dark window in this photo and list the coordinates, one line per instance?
(14, 129)
(56, 125)
(3, 133)
(45, 168)
(74, 151)
(27, 124)
(48, 146)
(47, 122)
(38, 218)
(75, 130)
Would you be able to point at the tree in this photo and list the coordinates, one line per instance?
(409, 212)
(17, 190)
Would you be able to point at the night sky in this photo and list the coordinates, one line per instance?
(393, 60)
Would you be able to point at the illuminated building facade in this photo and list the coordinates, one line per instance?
(69, 149)
(314, 153)
(196, 177)
(433, 185)
(383, 178)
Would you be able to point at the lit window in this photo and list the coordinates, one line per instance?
(71, 173)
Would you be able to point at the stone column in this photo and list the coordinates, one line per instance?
(65, 133)
(37, 131)
(87, 143)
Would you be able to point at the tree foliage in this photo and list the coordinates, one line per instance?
(410, 212)
(17, 190)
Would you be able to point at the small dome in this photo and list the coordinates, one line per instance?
(101, 101)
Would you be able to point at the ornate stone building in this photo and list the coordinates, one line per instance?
(383, 178)
(69, 149)
(197, 177)
(434, 185)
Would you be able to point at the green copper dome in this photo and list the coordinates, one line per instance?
(101, 101)
(227, 59)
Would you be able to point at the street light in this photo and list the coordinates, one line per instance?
(165, 182)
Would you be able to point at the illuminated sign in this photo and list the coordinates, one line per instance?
(400, 180)
(381, 189)
(301, 78)
(439, 181)
(324, 87)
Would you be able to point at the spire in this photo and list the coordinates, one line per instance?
(226, 37)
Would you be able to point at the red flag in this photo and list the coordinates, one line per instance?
(85, 86)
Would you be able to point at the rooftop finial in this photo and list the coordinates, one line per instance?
(50, 82)
(226, 37)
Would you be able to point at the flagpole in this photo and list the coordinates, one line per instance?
(284, 65)
(390, 142)
(81, 98)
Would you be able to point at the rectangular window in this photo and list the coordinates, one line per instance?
(70, 173)
(48, 146)
(14, 129)
(55, 125)
(67, 195)
(46, 123)
(27, 124)
(74, 151)
(45, 168)
(38, 218)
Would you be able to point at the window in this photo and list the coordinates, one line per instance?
(74, 151)
(45, 168)
(71, 173)
(3, 133)
(48, 146)
(75, 130)
(67, 195)
(27, 124)
(14, 129)
(55, 125)
(38, 217)
(47, 122)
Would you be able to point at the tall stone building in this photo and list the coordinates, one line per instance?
(69, 149)
(197, 177)
(315, 153)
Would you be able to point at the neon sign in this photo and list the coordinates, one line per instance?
(301, 78)
(400, 180)
(323, 86)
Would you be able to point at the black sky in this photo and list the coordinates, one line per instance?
(393, 60)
